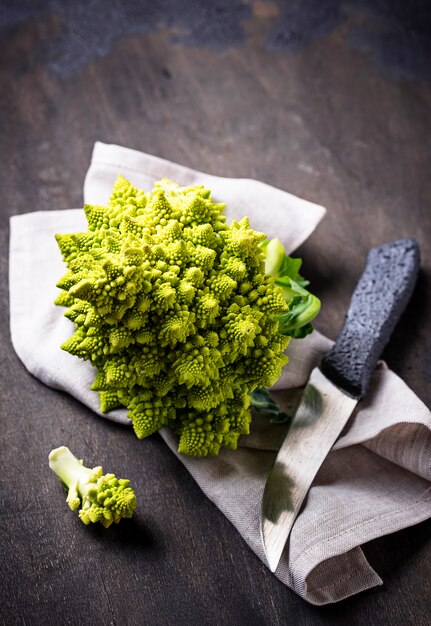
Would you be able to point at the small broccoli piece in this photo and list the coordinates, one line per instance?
(103, 498)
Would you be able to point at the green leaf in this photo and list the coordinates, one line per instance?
(303, 305)
(262, 402)
(290, 267)
(302, 310)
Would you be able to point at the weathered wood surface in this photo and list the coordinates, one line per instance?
(322, 121)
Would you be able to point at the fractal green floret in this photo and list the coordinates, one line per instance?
(175, 310)
(102, 498)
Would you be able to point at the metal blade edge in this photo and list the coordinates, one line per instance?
(321, 416)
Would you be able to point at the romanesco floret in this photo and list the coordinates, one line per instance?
(102, 498)
(174, 309)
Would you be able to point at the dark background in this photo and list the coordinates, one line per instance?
(328, 100)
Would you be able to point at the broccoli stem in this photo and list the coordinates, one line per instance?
(274, 256)
(77, 478)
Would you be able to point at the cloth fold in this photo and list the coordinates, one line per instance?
(376, 479)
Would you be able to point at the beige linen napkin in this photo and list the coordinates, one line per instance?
(376, 479)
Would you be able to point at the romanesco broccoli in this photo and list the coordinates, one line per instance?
(175, 311)
(102, 498)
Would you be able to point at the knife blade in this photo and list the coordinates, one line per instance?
(335, 387)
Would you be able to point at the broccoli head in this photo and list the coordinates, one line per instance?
(102, 498)
(174, 309)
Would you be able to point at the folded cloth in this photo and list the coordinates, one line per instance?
(376, 479)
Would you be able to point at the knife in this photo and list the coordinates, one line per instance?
(335, 387)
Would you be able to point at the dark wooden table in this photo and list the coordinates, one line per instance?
(330, 101)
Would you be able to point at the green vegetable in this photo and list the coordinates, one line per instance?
(262, 402)
(303, 306)
(175, 311)
(105, 499)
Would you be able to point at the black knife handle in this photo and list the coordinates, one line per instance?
(377, 304)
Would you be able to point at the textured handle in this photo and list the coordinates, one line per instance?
(377, 304)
